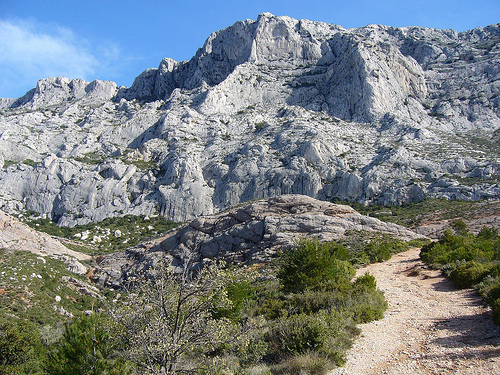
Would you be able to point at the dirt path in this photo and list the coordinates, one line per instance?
(429, 328)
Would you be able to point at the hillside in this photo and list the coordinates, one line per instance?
(429, 325)
(252, 233)
(274, 106)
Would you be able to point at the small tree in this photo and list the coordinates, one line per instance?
(86, 348)
(169, 323)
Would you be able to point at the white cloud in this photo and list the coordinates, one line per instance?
(30, 51)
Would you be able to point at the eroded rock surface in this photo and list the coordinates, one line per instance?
(264, 108)
(247, 234)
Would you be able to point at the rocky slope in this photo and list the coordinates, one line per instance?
(16, 236)
(267, 107)
(248, 234)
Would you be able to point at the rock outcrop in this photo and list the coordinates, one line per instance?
(275, 106)
(251, 233)
(16, 236)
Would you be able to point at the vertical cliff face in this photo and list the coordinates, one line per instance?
(266, 107)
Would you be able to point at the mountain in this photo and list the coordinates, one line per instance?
(275, 106)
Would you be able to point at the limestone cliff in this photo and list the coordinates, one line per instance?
(264, 108)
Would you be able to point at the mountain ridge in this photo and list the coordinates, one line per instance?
(268, 107)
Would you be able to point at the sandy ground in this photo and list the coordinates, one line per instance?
(430, 327)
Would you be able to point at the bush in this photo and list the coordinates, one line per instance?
(469, 260)
(469, 274)
(368, 305)
(238, 292)
(495, 308)
(366, 282)
(297, 334)
(21, 349)
(489, 288)
(328, 334)
(309, 363)
(382, 250)
(314, 265)
(86, 348)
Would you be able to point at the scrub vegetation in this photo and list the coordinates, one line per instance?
(297, 314)
(469, 260)
(108, 236)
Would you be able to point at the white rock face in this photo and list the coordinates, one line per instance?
(264, 108)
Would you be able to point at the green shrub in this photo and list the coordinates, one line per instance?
(297, 334)
(418, 242)
(382, 250)
(314, 265)
(460, 227)
(86, 348)
(469, 260)
(21, 349)
(366, 282)
(495, 308)
(238, 293)
(309, 363)
(489, 288)
(328, 334)
(469, 274)
(367, 305)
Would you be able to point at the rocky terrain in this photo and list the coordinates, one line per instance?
(248, 234)
(16, 236)
(264, 108)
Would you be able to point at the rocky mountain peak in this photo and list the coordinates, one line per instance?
(264, 108)
(56, 90)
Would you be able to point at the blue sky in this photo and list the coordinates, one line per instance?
(117, 40)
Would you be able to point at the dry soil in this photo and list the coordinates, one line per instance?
(430, 327)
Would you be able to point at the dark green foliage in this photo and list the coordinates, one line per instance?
(469, 274)
(365, 282)
(470, 261)
(314, 265)
(86, 348)
(460, 227)
(21, 349)
(298, 334)
(238, 293)
(418, 242)
(30, 285)
(370, 247)
(489, 289)
(318, 307)
(297, 315)
(412, 214)
(311, 363)
(483, 248)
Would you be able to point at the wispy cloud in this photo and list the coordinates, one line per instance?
(30, 51)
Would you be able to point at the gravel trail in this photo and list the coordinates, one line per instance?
(430, 326)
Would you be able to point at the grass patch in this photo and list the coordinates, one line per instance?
(29, 285)
(411, 214)
(110, 235)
